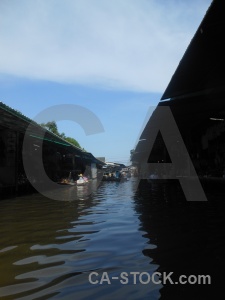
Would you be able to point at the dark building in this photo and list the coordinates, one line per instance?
(195, 96)
(59, 157)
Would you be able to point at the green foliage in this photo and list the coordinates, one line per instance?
(72, 141)
(52, 127)
(62, 135)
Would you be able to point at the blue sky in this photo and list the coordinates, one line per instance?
(115, 58)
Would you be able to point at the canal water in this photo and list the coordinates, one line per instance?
(104, 245)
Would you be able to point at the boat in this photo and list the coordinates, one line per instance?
(69, 181)
(66, 182)
(112, 177)
(82, 180)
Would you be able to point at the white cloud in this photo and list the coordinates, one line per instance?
(128, 44)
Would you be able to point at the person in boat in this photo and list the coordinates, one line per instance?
(124, 175)
(85, 178)
(81, 177)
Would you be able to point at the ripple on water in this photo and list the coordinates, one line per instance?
(50, 247)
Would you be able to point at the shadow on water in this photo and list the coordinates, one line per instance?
(37, 238)
(48, 248)
(190, 236)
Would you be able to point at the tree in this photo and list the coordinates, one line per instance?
(72, 141)
(62, 135)
(52, 127)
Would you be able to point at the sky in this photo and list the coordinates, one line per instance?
(114, 58)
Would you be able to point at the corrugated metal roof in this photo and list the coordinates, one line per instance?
(202, 67)
(15, 120)
(196, 90)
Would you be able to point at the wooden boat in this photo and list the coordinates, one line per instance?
(66, 182)
(107, 177)
(81, 182)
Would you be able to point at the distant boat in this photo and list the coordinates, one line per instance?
(69, 181)
(111, 177)
(82, 180)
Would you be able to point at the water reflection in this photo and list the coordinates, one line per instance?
(48, 248)
(189, 237)
(38, 234)
(71, 193)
